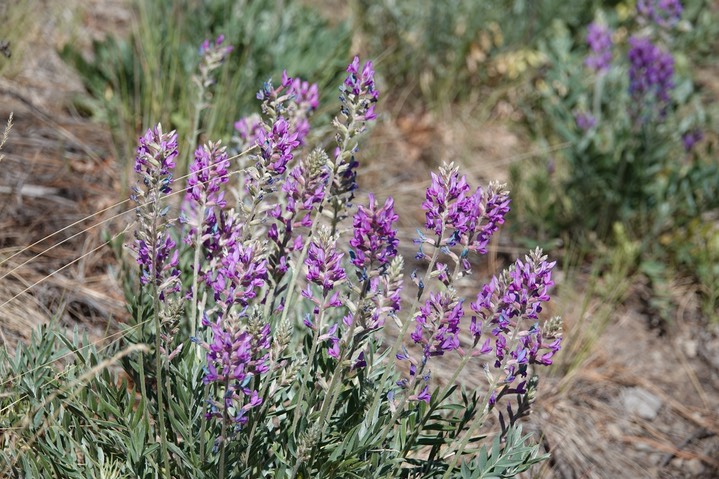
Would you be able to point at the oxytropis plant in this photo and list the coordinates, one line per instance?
(633, 124)
(288, 286)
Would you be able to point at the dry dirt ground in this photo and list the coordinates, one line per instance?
(625, 401)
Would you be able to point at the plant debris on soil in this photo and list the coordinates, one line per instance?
(637, 404)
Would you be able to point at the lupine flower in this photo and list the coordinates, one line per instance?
(302, 192)
(276, 146)
(239, 275)
(651, 73)
(358, 96)
(444, 200)
(248, 129)
(156, 155)
(374, 238)
(665, 13)
(599, 39)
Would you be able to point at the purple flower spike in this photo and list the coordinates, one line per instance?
(277, 145)
(438, 324)
(156, 154)
(599, 38)
(650, 74)
(208, 171)
(460, 217)
(665, 13)
(585, 121)
(374, 239)
(324, 263)
(691, 138)
(234, 356)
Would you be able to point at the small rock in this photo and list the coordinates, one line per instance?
(678, 463)
(694, 466)
(641, 402)
(691, 348)
(614, 431)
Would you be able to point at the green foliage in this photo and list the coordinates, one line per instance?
(147, 78)
(465, 44)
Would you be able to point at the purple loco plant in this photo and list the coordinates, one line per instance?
(292, 300)
(651, 72)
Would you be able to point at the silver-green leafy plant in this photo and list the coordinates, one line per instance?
(259, 323)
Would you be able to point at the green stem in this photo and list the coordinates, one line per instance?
(196, 272)
(223, 439)
(405, 326)
(308, 366)
(158, 344)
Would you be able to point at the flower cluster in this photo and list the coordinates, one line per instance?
(437, 329)
(324, 263)
(156, 251)
(213, 55)
(651, 73)
(302, 191)
(665, 13)
(208, 171)
(585, 121)
(375, 238)
(691, 138)
(358, 96)
(599, 39)
(459, 217)
(239, 270)
(234, 357)
(502, 308)
(276, 146)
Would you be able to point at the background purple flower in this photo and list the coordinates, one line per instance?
(599, 39)
(651, 75)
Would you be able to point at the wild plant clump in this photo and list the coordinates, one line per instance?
(264, 298)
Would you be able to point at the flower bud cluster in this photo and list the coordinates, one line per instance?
(155, 248)
(599, 39)
(234, 357)
(665, 13)
(651, 74)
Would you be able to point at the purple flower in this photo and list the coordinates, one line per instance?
(691, 138)
(444, 200)
(358, 83)
(156, 251)
(248, 130)
(665, 13)
(504, 304)
(460, 217)
(585, 121)
(650, 74)
(215, 49)
(438, 324)
(156, 155)
(324, 263)
(276, 146)
(599, 39)
(374, 238)
(234, 356)
(358, 96)
(208, 171)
